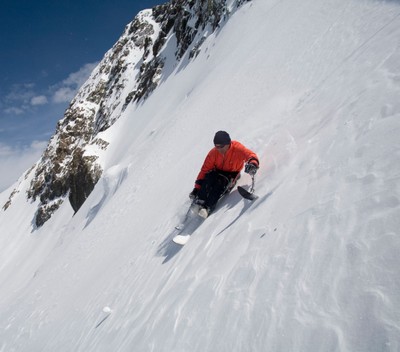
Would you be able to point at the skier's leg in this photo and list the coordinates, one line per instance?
(219, 186)
(206, 187)
(214, 186)
(234, 177)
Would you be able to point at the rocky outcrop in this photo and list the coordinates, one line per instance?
(188, 21)
(129, 72)
(64, 168)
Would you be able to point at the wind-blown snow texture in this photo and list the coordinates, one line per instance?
(313, 265)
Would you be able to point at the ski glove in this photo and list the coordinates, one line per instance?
(250, 169)
(194, 193)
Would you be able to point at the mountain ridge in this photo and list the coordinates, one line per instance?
(130, 71)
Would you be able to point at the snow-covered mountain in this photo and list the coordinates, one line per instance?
(87, 262)
(148, 51)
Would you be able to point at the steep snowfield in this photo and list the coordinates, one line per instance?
(313, 265)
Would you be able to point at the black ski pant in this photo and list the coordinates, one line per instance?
(214, 186)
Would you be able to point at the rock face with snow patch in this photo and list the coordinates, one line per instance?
(129, 72)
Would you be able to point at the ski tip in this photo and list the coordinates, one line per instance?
(181, 239)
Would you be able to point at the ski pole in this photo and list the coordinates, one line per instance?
(252, 183)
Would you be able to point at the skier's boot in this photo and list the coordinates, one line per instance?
(203, 212)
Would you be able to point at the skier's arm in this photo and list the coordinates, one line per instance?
(249, 156)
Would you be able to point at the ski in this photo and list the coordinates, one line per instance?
(181, 239)
(248, 194)
(191, 222)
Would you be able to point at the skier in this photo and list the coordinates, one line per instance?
(220, 171)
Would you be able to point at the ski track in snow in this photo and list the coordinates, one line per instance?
(311, 265)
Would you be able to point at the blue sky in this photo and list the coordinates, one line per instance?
(48, 49)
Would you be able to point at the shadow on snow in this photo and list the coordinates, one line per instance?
(168, 248)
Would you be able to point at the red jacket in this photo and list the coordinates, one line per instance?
(232, 161)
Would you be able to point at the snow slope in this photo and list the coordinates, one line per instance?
(313, 87)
